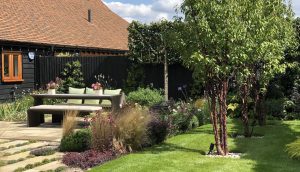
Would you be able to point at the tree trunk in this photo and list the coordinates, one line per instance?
(218, 106)
(223, 115)
(258, 105)
(244, 93)
(214, 121)
(261, 111)
(166, 77)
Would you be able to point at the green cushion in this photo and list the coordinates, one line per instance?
(91, 102)
(75, 91)
(110, 92)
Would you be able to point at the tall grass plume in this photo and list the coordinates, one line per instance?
(69, 122)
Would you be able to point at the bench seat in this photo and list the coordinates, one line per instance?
(35, 114)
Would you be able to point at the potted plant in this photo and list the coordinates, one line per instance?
(52, 86)
(97, 87)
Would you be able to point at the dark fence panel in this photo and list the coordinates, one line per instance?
(51, 67)
(48, 68)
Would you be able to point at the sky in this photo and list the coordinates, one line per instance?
(154, 10)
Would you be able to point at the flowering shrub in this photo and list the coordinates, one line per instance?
(87, 159)
(106, 81)
(96, 86)
(102, 127)
(54, 84)
(180, 117)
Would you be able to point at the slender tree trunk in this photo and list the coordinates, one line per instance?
(223, 114)
(166, 76)
(258, 105)
(214, 120)
(244, 93)
(217, 95)
(261, 111)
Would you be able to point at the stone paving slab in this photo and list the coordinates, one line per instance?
(20, 131)
(16, 156)
(13, 143)
(50, 166)
(12, 167)
(4, 141)
(29, 146)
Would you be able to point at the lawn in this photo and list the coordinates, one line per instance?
(186, 152)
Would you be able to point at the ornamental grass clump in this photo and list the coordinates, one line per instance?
(69, 122)
(132, 127)
(293, 149)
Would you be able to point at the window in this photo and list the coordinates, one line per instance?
(11, 66)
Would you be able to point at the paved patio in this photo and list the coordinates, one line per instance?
(20, 131)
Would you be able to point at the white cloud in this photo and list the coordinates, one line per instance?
(159, 9)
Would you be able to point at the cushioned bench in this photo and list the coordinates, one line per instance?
(35, 114)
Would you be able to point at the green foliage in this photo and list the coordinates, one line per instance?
(16, 111)
(203, 111)
(148, 43)
(135, 78)
(293, 149)
(72, 76)
(194, 123)
(76, 142)
(275, 108)
(222, 39)
(145, 97)
(154, 43)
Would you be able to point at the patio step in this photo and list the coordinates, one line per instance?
(50, 166)
(16, 156)
(25, 147)
(13, 143)
(21, 164)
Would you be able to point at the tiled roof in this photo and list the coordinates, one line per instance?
(63, 23)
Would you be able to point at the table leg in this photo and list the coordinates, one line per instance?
(57, 118)
(39, 101)
(32, 119)
(115, 103)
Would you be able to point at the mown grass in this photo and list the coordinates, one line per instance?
(186, 152)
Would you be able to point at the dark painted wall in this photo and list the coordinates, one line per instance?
(25, 86)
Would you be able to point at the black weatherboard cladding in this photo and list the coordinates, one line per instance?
(28, 76)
